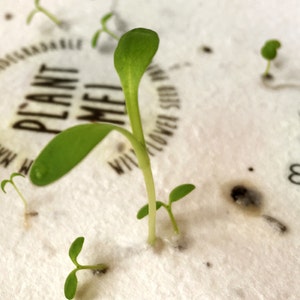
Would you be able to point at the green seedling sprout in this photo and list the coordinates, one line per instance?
(269, 52)
(71, 282)
(11, 181)
(133, 55)
(39, 8)
(104, 28)
(176, 194)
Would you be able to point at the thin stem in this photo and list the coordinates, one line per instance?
(49, 15)
(100, 267)
(21, 196)
(110, 33)
(144, 161)
(135, 117)
(137, 129)
(267, 68)
(173, 221)
(150, 187)
(145, 166)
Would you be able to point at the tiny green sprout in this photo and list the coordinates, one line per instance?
(176, 194)
(11, 181)
(71, 282)
(269, 52)
(103, 22)
(39, 8)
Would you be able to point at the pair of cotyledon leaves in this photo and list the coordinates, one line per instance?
(269, 50)
(71, 282)
(176, 194)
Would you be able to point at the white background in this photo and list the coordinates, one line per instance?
(229, 121)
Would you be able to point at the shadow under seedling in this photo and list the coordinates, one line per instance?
(11, 181)
(39, 8)
(71, 282)
(176, 194)
(104, 28)
(269, 52)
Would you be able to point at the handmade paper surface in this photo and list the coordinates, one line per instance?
(209, 120)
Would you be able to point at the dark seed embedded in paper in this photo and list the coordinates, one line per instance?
(99, 272)
(244, 196)
(8, 16)
(276, 224)
(267, 77)
(32, 214)
(207, 49)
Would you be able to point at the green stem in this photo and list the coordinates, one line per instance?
(145, 166)
(49, 15)
(137, 130)
(267, 68)
(21, 196)
(133, 111)
(150, 187)
(100, 267)
(173, 221)
(110, 33)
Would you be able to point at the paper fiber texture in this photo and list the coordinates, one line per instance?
(209, 120)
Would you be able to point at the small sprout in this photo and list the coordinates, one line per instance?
(71, 282)
(269, 52)
(176, 194)
(39, 8)
(103, 22)
(11, 181)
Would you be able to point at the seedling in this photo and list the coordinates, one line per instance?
(39, 8)
(11, 181)
(104, 28)
(133, 55)
(72, 281)
(269, 52)
(176, 194)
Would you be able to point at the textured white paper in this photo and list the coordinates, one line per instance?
(227, 122)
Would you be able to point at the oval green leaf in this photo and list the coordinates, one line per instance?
(65, 151)
(105, 18)
(30, 16)
(144, 211)
(75, 249)
(269, 50)
(180, 191)
(133, 55)
(69, 147)
(3, 184)
(95, 38)
(71, 285)
(15, 174)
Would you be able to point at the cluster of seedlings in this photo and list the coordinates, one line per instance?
(133, 54)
